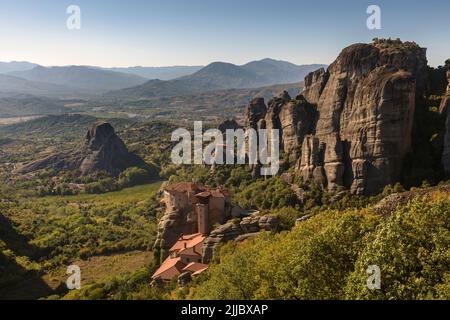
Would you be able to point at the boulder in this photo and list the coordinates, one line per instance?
(229, 124)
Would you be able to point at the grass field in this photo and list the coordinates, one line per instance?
(129, 195)
(99, 268)
(106, 235)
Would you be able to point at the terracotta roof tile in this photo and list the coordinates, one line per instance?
(195, 266)
(187, 242)
(167, 264)
(199, 271)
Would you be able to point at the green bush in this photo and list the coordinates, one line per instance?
(326, 257)
(133, 176)
(412, 250)
(102, 186)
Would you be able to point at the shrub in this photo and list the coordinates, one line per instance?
(412, 251)
(133, 176)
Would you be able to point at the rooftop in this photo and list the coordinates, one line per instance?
(187, 242)
(168, 264)
(195, 267)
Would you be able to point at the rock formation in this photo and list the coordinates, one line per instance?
(366, 110)
(294, 118)
(314, 84)
(107, 152)
(229, 124)
(255, 112)
(353, 122)
(238, 231)
(445, 111)
(103, 151)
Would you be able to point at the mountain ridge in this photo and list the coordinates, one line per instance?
(221, 76)
(80, 77)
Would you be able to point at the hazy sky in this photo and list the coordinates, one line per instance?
(197, 32)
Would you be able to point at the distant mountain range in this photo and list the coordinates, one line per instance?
(12, 85)
(81, 77)
(220, 76)
(25, 78)
(161, 73)
(6, 67)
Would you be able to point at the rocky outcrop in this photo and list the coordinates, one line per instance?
(238, 231)
(103, 151)
(365, 102)
(351, 126)
(229, 124)
(255, 112)
(190, 208)
(107, 152)
(294, 118)
(314, 84)
(389, 204)
(445, 111)
(172, 225)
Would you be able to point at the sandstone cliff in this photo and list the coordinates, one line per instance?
(294, 118)
(353, 122)
(107, 152)
(366, 110)
(103, 151)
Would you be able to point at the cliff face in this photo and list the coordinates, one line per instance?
(103, 151)
(365, 103)
(107, 152)
(353, 122)
(294, 118)
(445, 110)
(314, 84)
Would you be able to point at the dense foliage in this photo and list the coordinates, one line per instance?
(44, 234)
(327, 256)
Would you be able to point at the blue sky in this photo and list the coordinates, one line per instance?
(197, 32)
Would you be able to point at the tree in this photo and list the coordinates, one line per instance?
(412, 251)
(133, 176)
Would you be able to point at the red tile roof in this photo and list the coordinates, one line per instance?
(173, 266)
(199, 271)
(187, 242)
(195, 267)
(168, 264)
